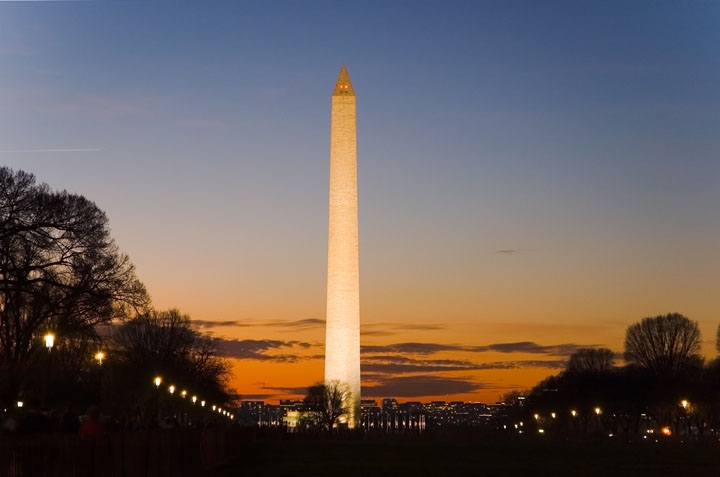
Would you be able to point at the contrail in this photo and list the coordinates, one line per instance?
(10, 151)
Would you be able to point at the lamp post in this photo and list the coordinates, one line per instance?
(49, 343)
(99, 356)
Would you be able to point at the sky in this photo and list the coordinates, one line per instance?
(533, 176)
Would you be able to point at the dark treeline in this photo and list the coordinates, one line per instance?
(62, 274)
(665, 386)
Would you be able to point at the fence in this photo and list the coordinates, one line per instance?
(176, 453)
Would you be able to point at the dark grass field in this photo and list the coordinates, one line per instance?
(425, 458)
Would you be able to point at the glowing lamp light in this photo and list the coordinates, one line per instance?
(49, 340)
(553, 415)
(598, 411)
(157, 381)
(194, 399)
(684, 404)
(536, 416)
(202, 403)
(99, 356)
(666, 431)
(183, 393)
(20, 404)
(214, 407)
(541, 431)
(171, 389)
(573, 413)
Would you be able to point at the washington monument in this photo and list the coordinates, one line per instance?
(342, 327)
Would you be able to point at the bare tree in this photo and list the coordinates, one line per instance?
(164, 343)
(328, 402)
(592, 360)
(59, 271)
(664, 344)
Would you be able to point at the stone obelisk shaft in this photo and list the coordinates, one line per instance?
(342, 329)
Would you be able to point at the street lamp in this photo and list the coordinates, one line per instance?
(157, 381)
(684, 404)
(552, 414)
(99, 356)
(194, 399)
(20, 404)
(171, 389)
(573, 413)
(598, 411)
(214, 407)
(202, 403)
(183, 393)
(49, 341)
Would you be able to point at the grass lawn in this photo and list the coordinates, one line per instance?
(420, 458)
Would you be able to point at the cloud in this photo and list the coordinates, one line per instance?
(257, 349)
(303, 324)
(20, 151)
(287, 390)
(517, 347)
(416, 386)
(255, 397)
(398, 364)
(512, 251)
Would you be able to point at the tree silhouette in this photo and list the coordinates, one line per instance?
(327, 402)
(594, 360)
(162, 343)
(60, 271)
(664, 344)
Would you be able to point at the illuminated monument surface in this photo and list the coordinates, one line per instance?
(342, 328)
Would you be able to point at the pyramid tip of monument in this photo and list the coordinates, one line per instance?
(343, 86)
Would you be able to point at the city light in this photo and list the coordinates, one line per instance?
(684, 404)
(49, 340)
(541, 431)
(20, 404)
(202, 403)
(171, 389)
(573, 413)
(214, 407)
(99, 356)
(536, 416)
(157, 381)
(183, 393)
(552, 414)
(598, 411)
(194, 399)
(666, 431)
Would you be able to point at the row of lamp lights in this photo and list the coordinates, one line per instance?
(100, 356)
(573, 413)
(183, 394)
(50, 342)
(685, 404)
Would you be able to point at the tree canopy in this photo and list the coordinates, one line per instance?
(327, 402)
(60, 271)
(664, 344)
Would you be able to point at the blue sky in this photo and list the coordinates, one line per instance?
(581, 138)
